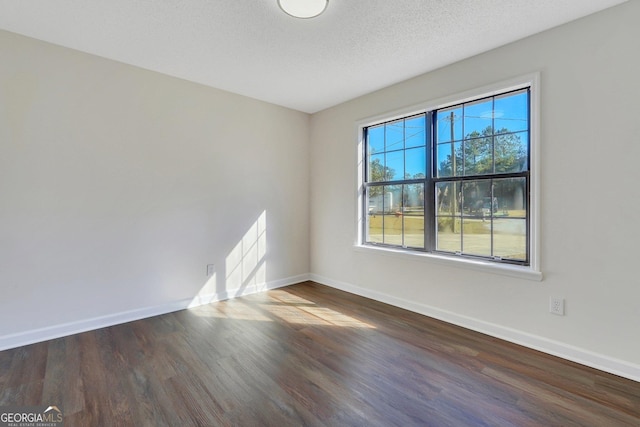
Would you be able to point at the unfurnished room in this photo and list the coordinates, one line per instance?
(319, 213)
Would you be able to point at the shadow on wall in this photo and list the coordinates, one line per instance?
(244, 269)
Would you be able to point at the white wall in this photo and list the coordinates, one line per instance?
(590, 202)
(119, 185)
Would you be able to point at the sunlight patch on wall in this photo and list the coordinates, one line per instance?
(245, 265)
(207, 293)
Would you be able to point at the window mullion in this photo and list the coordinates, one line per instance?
(429, 185)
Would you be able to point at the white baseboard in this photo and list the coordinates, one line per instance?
(56, 331)
(556, 348)
(584, 357)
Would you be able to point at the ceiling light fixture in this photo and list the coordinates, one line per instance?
(303, 8)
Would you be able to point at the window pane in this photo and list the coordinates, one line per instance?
(375, 139)
(448, 198)
(413, 214)
(512, 112)
(511, 152)
(509, 223)
(449, 124)
(478, 118)
(446, 154)
(449, 220)
(449, 238)
(511, 196)
(394, 136)
(510, 238)
(395, 165)
(415, 134)
(393, 215)
(376, 169)
(476, 198)
(476, 232)
(375, 200)
(478, 156)
(375, 209)
(415, 163)
(476, 221)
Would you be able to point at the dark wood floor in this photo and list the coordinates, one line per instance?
(307, 355)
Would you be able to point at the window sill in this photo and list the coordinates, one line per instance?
(465, 263)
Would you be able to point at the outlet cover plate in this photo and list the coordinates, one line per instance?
(556, 306)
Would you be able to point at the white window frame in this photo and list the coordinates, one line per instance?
(531, 271)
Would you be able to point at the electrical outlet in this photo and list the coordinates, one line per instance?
(210, 270)
(556, 306)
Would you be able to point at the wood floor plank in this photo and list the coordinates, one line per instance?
(63, 385)
(308, 355)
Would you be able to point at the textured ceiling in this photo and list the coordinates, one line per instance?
(252, 48)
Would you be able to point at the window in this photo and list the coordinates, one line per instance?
(454, 180)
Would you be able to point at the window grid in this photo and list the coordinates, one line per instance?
(488, 209)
